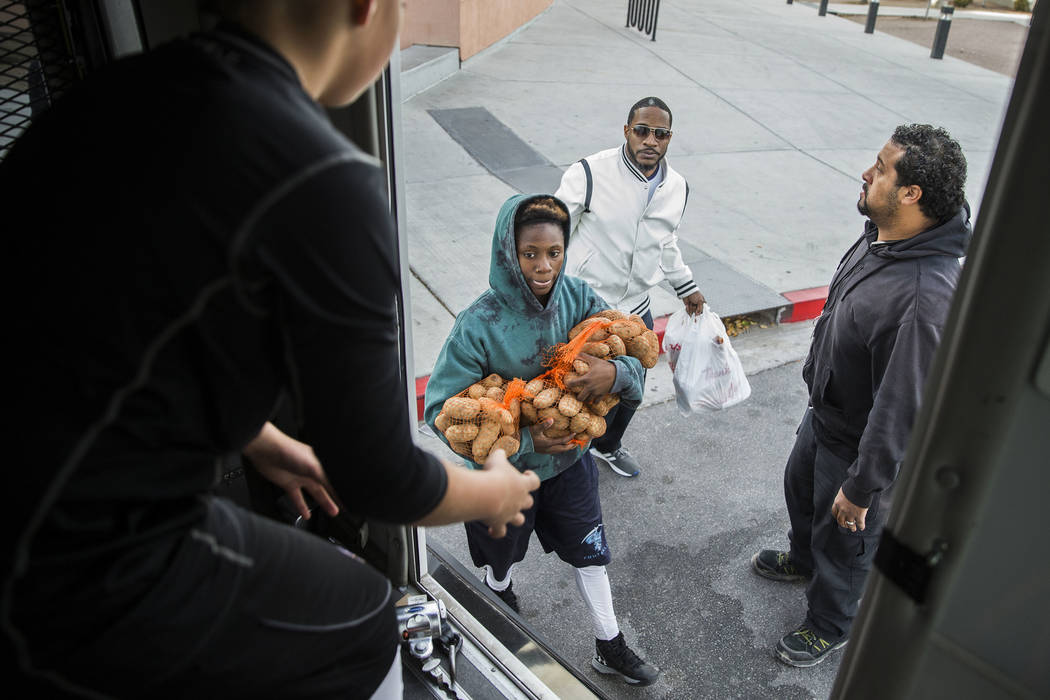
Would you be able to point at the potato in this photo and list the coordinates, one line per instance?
(547, 397)
(476, 391)
(511, 426)
(461, 432)
(652, 341)
(569, 405)
(483, 442)
(603, 405)
(582, 326)
(534, 387)
(462, 408)
(616, 346)
(626, 329)
(555, 433)
(581, 421)
(641, 348)
(492, 410)
(637, 319)
(492, 380)
(596, 349)
(462, 448)
(597, 426)
(569, 378)
(580, 367)
(582, 437)
(508, 444)
(528, 414)
(560, 420)
(496, 393)
(442, 422)
(597, 408)
(595, 335)
(612, 314)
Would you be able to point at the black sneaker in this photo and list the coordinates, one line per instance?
(777, 566)
(508, 596)
(620, 461)
(614, 656)
(804, 648)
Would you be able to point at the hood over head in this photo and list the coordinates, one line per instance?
(505, 277)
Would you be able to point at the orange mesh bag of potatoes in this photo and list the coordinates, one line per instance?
(483, 417)
(614, 333)
(548, 397)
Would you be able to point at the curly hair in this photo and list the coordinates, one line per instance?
(650, 102)
(934, 161)
(542, 209)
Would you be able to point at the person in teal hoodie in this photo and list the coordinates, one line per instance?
(530, 307)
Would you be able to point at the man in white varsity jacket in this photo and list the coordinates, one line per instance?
(626, 204)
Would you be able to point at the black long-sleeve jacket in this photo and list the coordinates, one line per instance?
(196, 241)
(873, 346)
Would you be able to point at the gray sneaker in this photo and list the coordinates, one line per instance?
(619, 461)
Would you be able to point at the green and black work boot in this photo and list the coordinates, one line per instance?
(777, 566)
(804, 648)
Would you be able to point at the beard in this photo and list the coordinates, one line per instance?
(881, 213)
(643, 168)
(862, 205)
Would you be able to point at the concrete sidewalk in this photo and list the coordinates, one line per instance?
(777, 112)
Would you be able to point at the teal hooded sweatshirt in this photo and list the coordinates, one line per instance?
(507, 329)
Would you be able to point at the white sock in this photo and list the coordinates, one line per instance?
(593, 582)
(495, 585)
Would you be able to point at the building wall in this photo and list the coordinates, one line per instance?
(472, 25)
(430, 22)
(484, 22)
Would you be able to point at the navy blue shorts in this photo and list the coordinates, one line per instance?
(566, 515)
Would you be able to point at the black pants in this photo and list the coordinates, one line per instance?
(839, 559)
(246, 608)
(619, 417)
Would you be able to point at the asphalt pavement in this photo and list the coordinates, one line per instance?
(777, 112)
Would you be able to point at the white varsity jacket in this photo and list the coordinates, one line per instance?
(624, 244)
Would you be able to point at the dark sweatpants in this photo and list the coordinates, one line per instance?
(247, 608)
(619, 417)
(839, 559)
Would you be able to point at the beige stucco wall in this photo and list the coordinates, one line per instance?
(484, 22)
(472, 25)
(430, 22)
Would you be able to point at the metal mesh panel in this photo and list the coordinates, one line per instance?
(37, 63)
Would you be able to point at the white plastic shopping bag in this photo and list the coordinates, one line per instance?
(707, 371)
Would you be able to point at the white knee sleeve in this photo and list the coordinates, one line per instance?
(593, 582)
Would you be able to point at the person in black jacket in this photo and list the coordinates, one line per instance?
(871, 351)
(200, 246)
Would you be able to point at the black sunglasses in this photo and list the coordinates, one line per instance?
(642, 131)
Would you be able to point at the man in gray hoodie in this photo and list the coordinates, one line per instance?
(872, 349)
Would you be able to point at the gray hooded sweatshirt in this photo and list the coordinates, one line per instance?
(873, 346)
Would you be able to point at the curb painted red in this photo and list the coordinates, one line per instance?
(806, 304)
